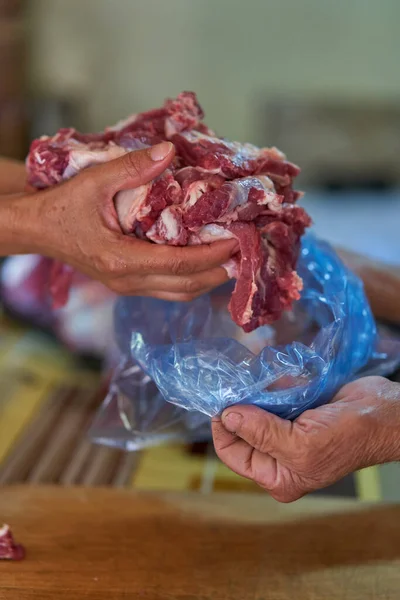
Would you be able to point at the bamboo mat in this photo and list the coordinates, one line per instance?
(47, 402)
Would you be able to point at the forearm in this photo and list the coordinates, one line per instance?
(20, 224)
(389, 419)
(12, 176)
(385, 436)
(381, 283)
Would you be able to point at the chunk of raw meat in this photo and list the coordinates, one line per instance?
(9, 550)
(215, 189)
(233, 159)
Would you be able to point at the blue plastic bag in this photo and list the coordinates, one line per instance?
(201, 361)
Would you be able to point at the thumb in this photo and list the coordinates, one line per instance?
(135, 168)
(261, 430)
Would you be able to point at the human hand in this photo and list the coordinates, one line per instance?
(78, 225)
(359, 428)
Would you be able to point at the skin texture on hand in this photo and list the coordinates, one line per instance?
(76, 223)
(359, 428)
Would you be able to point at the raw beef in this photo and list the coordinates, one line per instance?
(215, 189)
(9, 550)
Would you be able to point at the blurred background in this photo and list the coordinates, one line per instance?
(318, 79)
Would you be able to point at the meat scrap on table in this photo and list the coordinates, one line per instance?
(215, 189)
(9, 550)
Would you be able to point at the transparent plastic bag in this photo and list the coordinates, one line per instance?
(134, 414)
(201, 361)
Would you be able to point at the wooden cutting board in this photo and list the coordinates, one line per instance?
(109, 544)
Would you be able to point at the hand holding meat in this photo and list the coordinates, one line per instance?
(76, 222)
(213, 190)
(359, 428)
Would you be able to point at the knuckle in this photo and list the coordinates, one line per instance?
(117, 266)
(108, 264)
(102, 263)
(261, 438)
(192, 287)
(177, 266)
(146, 265)
(132, 164)
(365, 387)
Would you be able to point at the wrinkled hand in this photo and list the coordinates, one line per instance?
(78, 225)
(359, 428)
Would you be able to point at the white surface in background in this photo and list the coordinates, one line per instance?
(364, 222)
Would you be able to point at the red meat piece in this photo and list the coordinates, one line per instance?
(9, 550)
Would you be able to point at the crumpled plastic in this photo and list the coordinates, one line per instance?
(134, 414)
(201, 361)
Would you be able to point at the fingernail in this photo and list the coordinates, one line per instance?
(160, 151)
(231, 421)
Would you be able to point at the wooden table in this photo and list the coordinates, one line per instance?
(109, 544)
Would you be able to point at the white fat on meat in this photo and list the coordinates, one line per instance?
(242, 187)
(271, 261)
(266, 182)
(4, 531)
(131, 206)
(130, 143)
(122, 123)
(241, 151)
(232, 268)
(248, 311)
(177, 187)
(81, 158)
(215, 233)
(171, 128)
(39, 159)
(170, 224)
(271, 199)
(194, 192)
(166, 228)
(209, 234)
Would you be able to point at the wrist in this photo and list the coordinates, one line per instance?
(21, 229)
(385, 431)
